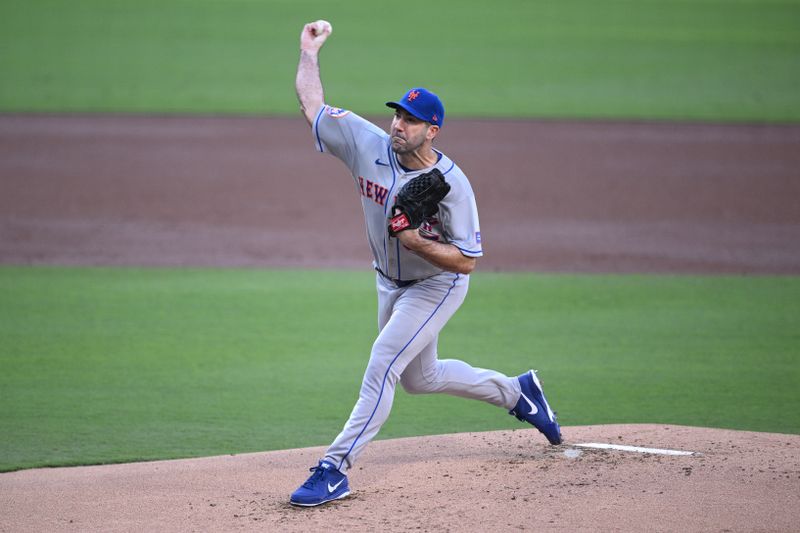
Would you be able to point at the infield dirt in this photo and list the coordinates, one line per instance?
(553, 196)
(494, 481)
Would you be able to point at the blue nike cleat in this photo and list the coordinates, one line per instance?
(533, 408)
(325, 485)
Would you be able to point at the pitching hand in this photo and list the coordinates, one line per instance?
(314, 35)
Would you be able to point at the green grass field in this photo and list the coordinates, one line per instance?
(721, 60)
(108, 365)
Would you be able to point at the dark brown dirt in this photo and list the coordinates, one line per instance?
(252, 192)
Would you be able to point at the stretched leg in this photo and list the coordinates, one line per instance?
(417, 315)
(428, 374)
(523, 395)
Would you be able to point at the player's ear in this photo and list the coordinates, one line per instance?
(433, 131)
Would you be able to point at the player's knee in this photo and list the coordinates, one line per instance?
(412, 387)
(379, 372)
(416, 385)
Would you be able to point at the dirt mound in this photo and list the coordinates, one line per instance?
(494, 481)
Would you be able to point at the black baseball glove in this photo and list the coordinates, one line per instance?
(417, 200)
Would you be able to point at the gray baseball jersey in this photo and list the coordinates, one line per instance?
(367, 152)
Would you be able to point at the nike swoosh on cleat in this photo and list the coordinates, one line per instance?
(332, 488)
(381, 163)
(534, 409)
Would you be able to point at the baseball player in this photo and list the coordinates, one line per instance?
(422, 227)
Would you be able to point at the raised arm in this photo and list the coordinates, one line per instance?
(308, 83)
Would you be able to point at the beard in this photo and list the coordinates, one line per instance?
(402, 145)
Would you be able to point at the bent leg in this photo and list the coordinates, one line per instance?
(419, 312)
(428, 374)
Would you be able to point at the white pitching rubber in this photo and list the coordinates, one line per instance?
(636, 449)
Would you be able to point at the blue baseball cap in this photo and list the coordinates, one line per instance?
(423, 104)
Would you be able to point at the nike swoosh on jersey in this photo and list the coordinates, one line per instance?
(381, 163)
(534, 409)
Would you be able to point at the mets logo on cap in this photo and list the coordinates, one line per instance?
(423, 104)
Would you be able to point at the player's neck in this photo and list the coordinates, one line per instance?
(424, 157)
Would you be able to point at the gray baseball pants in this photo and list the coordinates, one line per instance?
(410, 319)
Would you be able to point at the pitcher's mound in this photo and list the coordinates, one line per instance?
(494, 481)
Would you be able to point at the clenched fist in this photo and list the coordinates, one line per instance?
(314, 35)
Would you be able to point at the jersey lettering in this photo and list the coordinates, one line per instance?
(429, 229)
(380, 194)
(372, 190)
